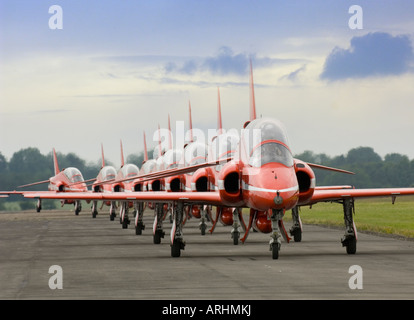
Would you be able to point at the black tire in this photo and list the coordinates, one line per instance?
(176, 249)
(235, 238)
(297, 235)
(351, 245)
(138, 228)
(275, 251)
(157, 237)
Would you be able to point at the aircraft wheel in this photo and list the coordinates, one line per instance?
(157, 236)
(203, 229)
(112, 216)
(125, 224)
(297, 235)
(235, 236)
(351, 245)
(275, 251)
(139, 228)
(176, 249)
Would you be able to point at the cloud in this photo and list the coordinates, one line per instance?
(224, 63)
(375, 54)
(293, 76)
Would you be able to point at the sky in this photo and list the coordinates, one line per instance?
(98, 72)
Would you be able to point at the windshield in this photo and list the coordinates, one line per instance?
(270, 152)
(73, 174)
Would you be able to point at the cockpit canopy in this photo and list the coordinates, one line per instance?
(224, 145)
(172, 158)
(129, 170)
(73, 174)
(148, 166)
(108, 173)
(195, 153)
(265, 141)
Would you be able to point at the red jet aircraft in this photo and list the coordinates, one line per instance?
(68, 180)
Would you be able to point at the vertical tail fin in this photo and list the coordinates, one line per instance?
(103, 158)
(159, 141)
(55, 162)
(191, 122)
(122, 156)
(169, 133)
(145, 149)
(219, 122)
(252, 99)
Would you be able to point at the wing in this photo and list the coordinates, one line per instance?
(212, 198)
(323, 195)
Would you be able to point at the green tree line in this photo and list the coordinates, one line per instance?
(371, 170)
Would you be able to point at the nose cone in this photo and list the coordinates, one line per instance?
(273, 186)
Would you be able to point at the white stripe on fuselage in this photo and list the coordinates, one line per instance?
(246, 186)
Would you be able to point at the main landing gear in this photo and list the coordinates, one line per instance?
(349, 240)
(123, 215)
(158, 232)
(296, 229)
(78, 207)
(139, 223)
(177, 242)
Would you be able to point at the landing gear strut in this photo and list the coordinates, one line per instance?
(203, 226)
(124, 218)
(39, 205)
(94, 209)
(112, 213)
(78, 207)
(235, 232)
(349, 240)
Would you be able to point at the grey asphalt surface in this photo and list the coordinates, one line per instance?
(100, 260)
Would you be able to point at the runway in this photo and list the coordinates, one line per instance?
(100, 260)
